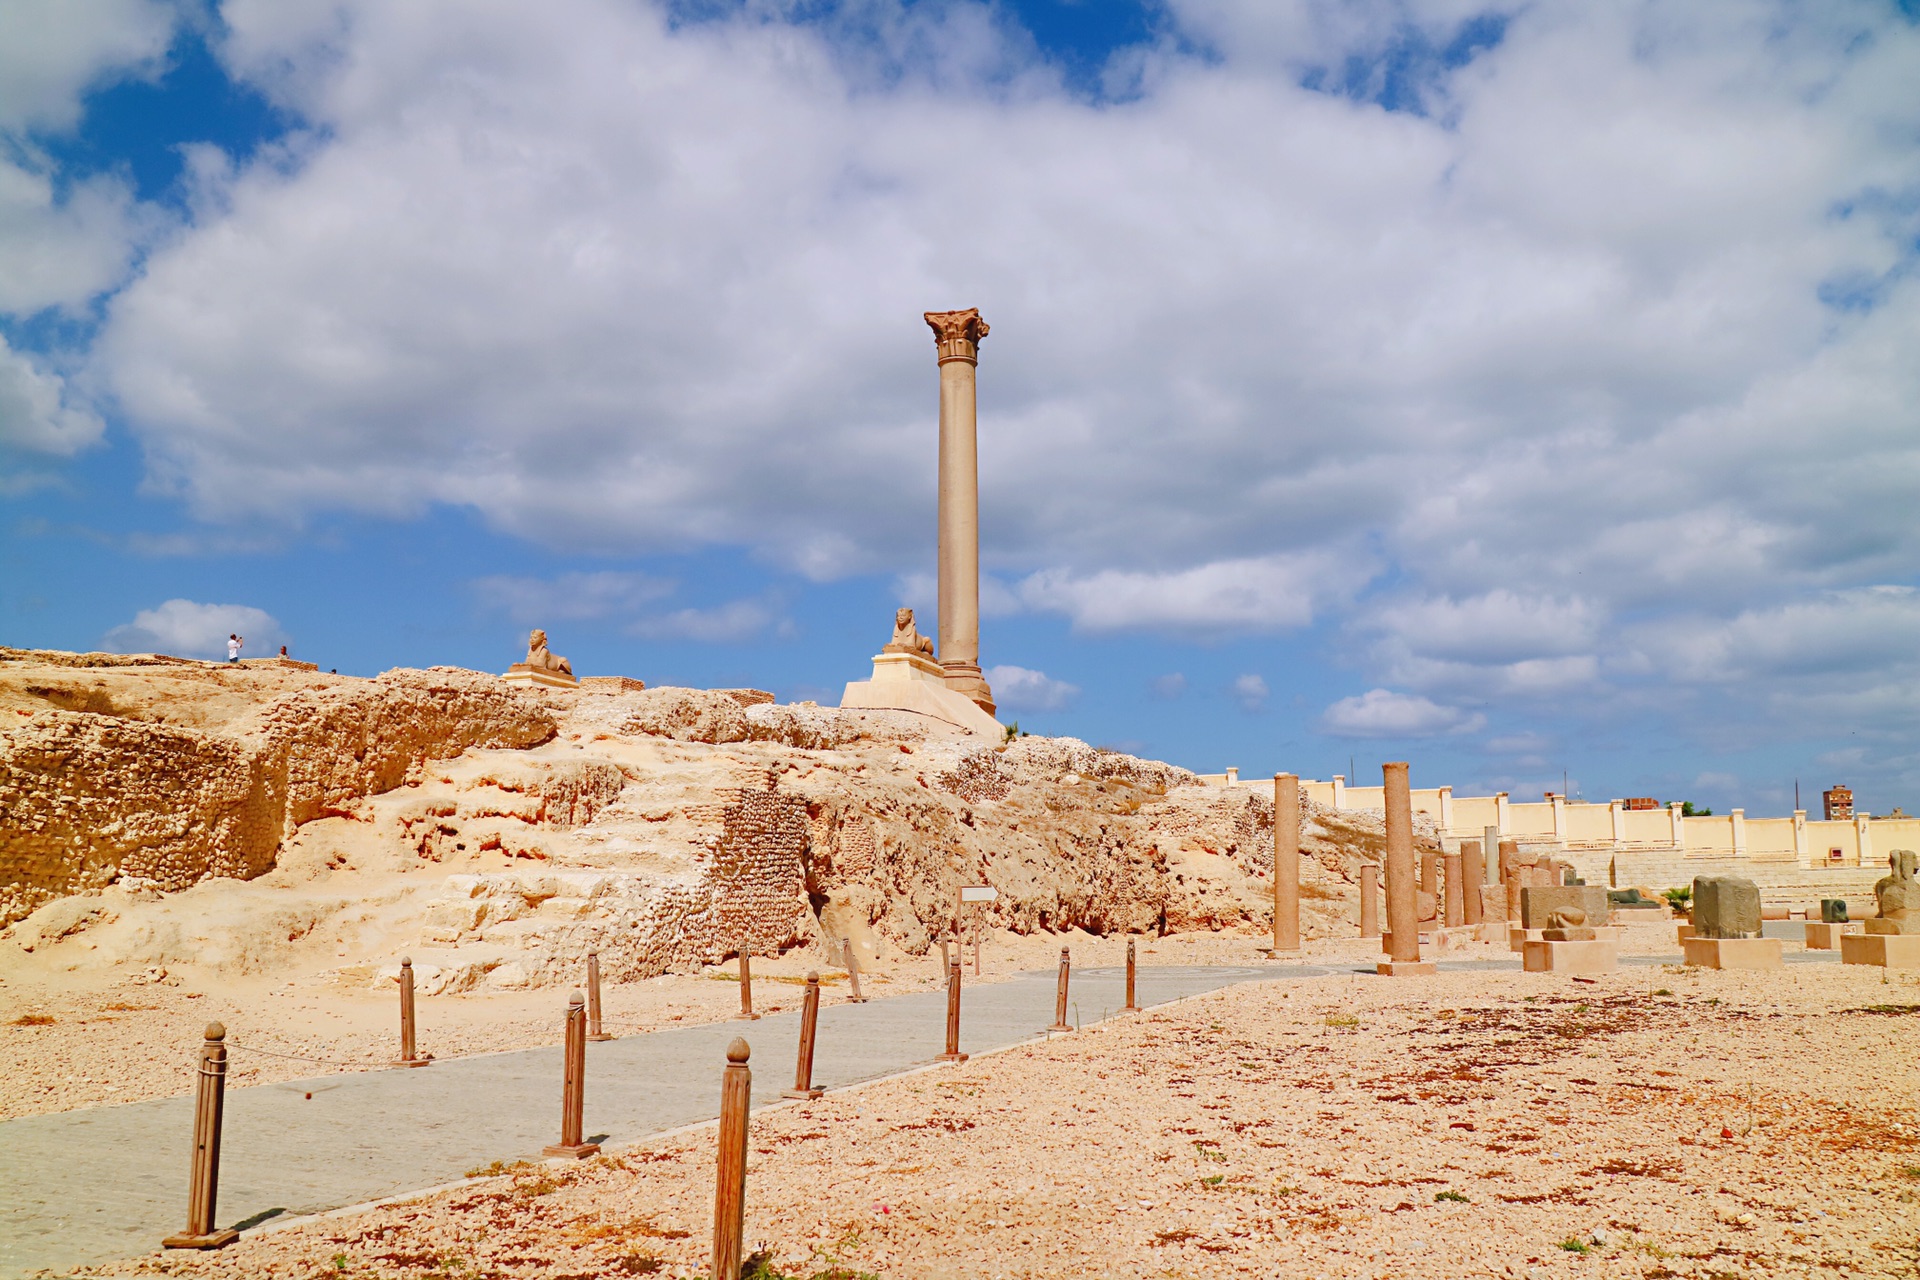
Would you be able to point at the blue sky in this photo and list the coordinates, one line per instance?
(1508, 389)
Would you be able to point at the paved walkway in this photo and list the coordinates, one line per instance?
(109, 1182)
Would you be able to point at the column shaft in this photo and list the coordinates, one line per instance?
(1402, 921)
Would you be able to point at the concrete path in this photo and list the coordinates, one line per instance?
(109, 1182)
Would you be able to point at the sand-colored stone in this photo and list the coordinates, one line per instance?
(1734, 953)
(1403, 922)
(541, 666)
(1822, 936)
(956, 337)
(1571, 956)
(1286, 862)
(1887, 950)
(904, 681)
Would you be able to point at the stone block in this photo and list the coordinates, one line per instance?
(1887, 950)
(1682, 932)
(1734, 953)
(1822, 936)
(1590, 956)
(1891, 928)
(1725, 907)
(1405, 968)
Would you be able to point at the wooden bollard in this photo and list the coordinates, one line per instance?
(209, 1101)
(953, 1053)
(593, 998)
(746, 1013)
(1060, 994)
(809, 1024)
(730, 1184)
(408, 1058)
(1369, 900)
(1131, 1004)
(573, 1092)
(853, 975)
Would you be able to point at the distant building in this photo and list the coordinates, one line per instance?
(1641, 802)
(1838, 802)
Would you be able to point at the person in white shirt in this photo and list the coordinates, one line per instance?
(233, 647)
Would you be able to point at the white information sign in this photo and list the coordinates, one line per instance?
(978, 893)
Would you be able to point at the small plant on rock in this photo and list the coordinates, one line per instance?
(1452, 1195)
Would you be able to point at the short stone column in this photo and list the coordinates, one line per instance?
(1510, 877)
(1455, 911)
(1403, 951)
(1471, 864)
(1490, 845)
(1286, 862)
(1369, 900)
(956, 336)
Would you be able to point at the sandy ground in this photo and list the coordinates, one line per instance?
(1652, 1123)
(124, 1041)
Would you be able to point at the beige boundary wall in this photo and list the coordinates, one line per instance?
(1612, 828)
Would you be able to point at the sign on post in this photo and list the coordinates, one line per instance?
(978, 893)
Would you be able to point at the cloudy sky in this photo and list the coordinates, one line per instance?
(1519, 389)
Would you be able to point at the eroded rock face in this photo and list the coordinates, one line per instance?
(500, 834)
(90, 797)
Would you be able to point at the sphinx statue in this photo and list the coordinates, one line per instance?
(907, 637)
(541, 658)
(1898, 895)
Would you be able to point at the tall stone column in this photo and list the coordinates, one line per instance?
(1286, 862)
(1403, 925)
(956, 336)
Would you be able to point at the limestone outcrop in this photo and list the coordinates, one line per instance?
(95, 795)
(498, 834)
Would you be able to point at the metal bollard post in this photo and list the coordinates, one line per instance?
(408, 1058)
(204, 1189)
(1131, 1004)
(953, 1053)
(1060, 995)
(730, 1186)
(853, 975)
(746, 1013)
(809, 1024)
(594, 1031)
(573, 1092)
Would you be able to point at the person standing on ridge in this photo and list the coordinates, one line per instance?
(233, 647)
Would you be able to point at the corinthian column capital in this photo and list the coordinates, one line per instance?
(957, 334)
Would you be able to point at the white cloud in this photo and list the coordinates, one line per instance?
(571, 596)
(188, 629)
(61, 242)
(1382, 713)
(1021, 689)
(1259, 594)
(1250, 691)
(734, 622)
(1170, 686)
(1622, 328)
(37, 414)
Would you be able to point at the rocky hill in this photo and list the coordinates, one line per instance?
(263, 814)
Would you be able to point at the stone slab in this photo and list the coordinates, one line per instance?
(1597, 956)
(1735, 953)
(1826, 937)
(612, 684)
(523, 675)
(1405, 968)
(1886, 928)
(1887, 950)
(1682, 932)
(908, 682)
(1517, 939)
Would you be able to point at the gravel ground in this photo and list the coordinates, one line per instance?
(1653, 1123)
